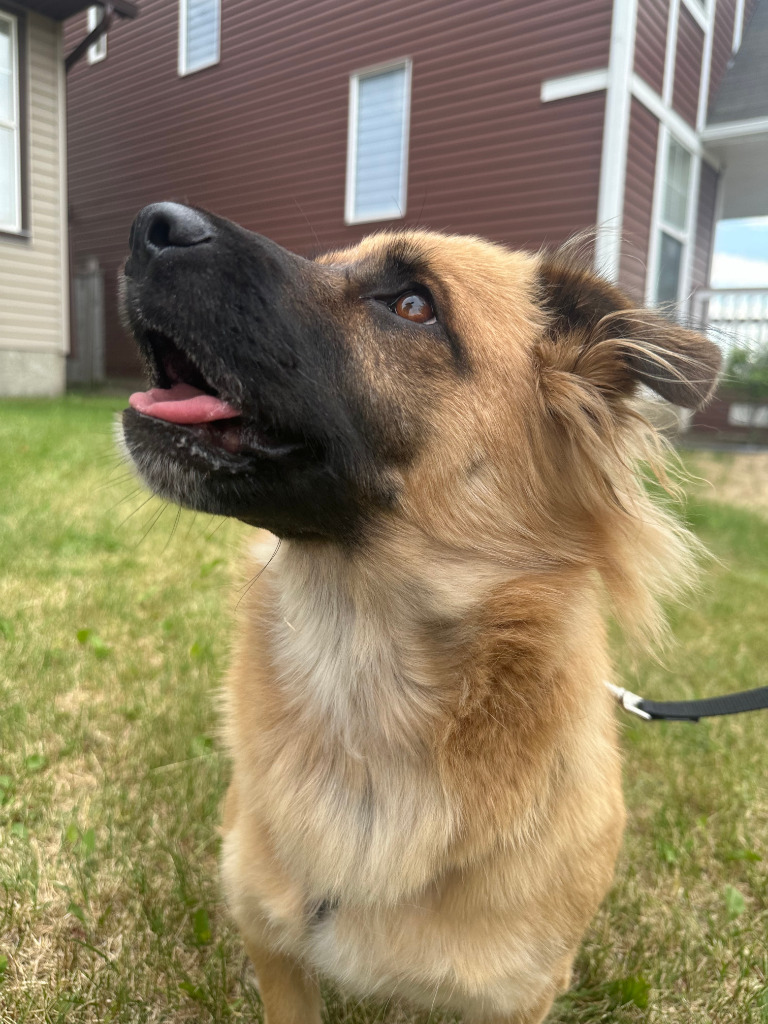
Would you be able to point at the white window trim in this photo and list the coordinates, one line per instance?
(692, 214)
(349, 198)
(654, 246)
(579, 84)
(623, 84)
(735, 129)
(670, 54)
(698, 13)
(699, 154)
(182, 66)
(687, 236)
(98, 51)
(684, 132)
(679, 234)
(706, 66)
(613, 159)
(738, 26)
(14, 228)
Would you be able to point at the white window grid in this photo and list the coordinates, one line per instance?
(12, 124)
(98, 51)
(677, 188)
(352, 140)
(184, 66)
(664, 224)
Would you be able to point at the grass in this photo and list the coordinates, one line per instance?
(113, 636)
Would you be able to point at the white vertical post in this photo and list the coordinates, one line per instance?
(613, 162)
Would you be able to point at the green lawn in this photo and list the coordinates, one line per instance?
(114, 619)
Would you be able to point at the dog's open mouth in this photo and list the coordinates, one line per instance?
(185, 397)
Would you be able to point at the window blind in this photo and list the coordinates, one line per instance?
(379, 171)
(201, 42)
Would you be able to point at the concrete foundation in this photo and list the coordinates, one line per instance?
(32, 374)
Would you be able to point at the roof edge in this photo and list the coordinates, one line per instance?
(721, 130)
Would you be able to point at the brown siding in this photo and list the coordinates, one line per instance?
(722, 41)
(651, 42)
(705, 227)
(262, 137)
(638, 200)
(690, 49)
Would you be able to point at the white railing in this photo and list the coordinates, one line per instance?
(736, 317)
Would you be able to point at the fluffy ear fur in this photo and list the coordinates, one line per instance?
(618, 346)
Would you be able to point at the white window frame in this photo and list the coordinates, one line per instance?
(98, 51)
(684, 236)
(738, 26)
(183, 66)
(354, 87)
(14, 125)
(700, 12)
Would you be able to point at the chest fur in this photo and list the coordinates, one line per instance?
(333, 724)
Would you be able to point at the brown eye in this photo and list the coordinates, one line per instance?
(414, 307)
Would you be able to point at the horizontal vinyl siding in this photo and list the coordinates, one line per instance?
(262, 136)
(690, 50)
(651, 42)
(638, 200)
(32, 277)
(705, 227)
(722, 41)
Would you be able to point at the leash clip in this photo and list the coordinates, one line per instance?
(628, 700)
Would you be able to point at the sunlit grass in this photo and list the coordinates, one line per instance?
(113, 637)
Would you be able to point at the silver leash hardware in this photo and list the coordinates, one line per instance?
(628, 700)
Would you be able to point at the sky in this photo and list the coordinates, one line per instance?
(741, 254)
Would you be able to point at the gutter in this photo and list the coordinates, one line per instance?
(726, 130)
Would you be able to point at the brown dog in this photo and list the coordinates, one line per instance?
(426, 789)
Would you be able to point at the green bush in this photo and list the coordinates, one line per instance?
(746, 372)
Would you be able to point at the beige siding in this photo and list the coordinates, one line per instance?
(33, 271)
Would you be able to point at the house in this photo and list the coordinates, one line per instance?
(314, 122)
(34, 263)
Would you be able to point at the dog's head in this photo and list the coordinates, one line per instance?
(437, 381)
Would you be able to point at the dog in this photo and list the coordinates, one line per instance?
(426, 797)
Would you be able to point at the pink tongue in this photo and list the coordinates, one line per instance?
(181, 404)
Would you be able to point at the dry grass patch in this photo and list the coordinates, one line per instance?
(740, 479)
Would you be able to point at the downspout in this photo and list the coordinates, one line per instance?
(93, 37)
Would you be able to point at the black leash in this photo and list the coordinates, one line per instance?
(690, 710)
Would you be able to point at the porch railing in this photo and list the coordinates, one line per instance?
(736, 317)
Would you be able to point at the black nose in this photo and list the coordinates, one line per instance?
(168, 226)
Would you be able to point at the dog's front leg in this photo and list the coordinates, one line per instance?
(289, 993)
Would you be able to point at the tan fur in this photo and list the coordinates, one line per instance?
(419, 729)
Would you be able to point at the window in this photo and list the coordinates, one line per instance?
(10, 133)
(199, 31)
(98, 51)
(377, 150)
(673, 222)
(670, 265)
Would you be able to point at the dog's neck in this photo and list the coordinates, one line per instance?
(376, 643)
(434, 688)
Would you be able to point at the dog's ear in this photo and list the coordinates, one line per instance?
(618, 346)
